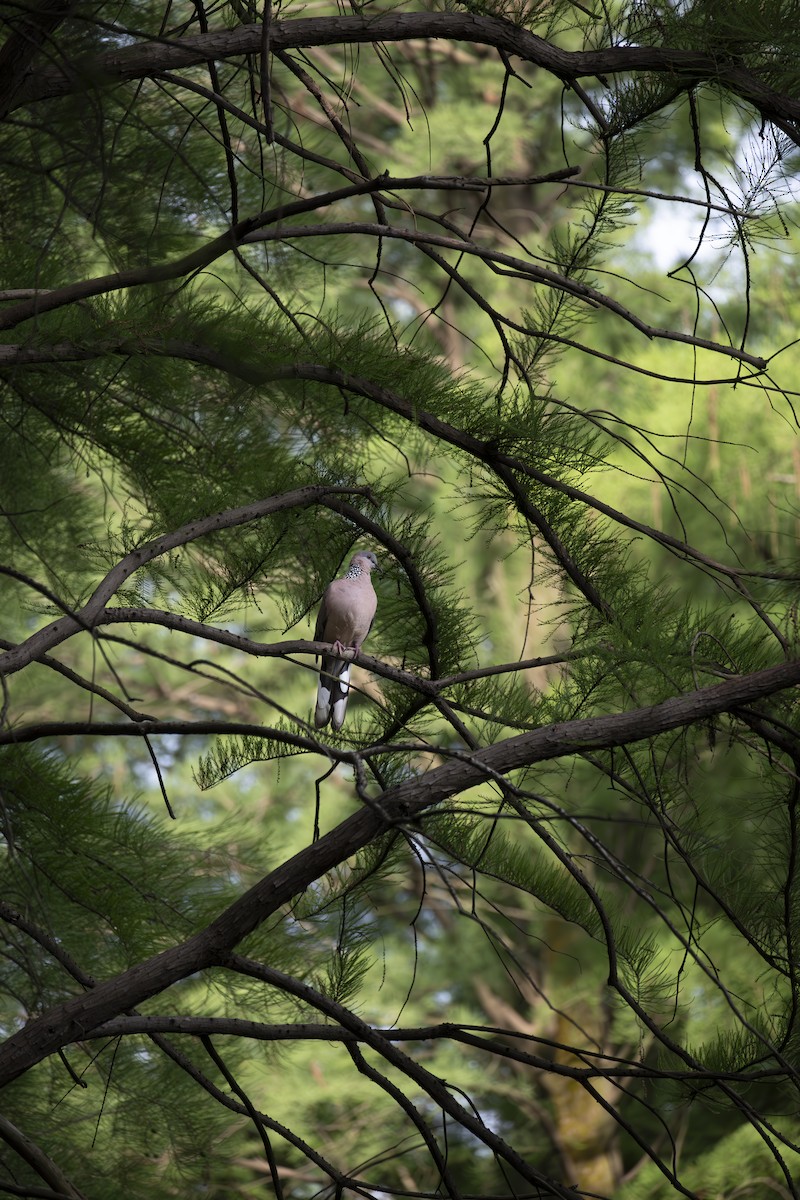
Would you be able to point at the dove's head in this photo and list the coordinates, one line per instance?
(366, 560)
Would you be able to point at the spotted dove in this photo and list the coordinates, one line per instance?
(344, 619)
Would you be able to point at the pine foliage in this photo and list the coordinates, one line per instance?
(277, 285)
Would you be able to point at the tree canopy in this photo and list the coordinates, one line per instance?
(504, 293)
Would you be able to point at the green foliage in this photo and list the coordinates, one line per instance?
(560, 957)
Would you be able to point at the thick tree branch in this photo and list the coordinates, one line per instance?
(210, 947)
(32, 28)
(41, 1162)
(148, 58)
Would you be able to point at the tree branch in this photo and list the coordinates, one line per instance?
(31, 29)
(477, 1037)
(69, 1021)
(148, 58)
(58, 631)
(36, 1158)
(254, 230)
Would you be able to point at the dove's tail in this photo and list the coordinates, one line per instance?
(332, 692)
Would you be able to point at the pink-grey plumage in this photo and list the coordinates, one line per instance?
(345, 616)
